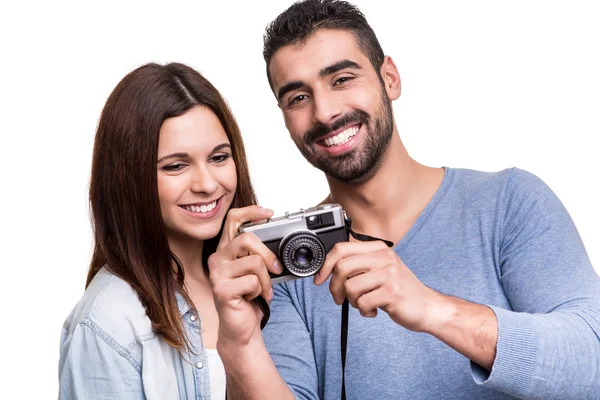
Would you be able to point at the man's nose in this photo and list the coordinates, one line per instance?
(327, 107)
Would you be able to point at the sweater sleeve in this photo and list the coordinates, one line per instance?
(549, 343)
(293, 357)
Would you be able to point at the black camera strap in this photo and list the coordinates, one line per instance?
(266, 311)
(345, 311)
(264, 307)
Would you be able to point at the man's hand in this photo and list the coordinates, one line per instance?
(372, 276)
(239, 272)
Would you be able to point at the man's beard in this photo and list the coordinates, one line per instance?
(359, 164)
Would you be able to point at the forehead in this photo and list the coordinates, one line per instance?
(197, 129)
(304, 60)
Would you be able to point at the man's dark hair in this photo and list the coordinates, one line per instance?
(304, 18)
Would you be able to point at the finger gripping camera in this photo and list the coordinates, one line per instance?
(302, 239)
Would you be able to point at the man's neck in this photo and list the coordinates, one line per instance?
(389, 202)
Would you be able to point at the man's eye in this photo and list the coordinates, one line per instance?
(342, 80)
(298, 99)
(219, 158)
(173, 167)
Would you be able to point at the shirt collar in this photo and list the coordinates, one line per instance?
(183, 306)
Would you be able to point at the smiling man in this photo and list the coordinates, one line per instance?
(329, 137)
(487, 293)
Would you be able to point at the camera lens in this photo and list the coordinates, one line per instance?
(302, 253)
(303, 256)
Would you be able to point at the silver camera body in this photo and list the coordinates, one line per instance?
(302, 239)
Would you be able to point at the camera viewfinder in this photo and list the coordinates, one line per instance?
(320, 221)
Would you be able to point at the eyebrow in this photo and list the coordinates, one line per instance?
(331, 69)
(338, 66)
(186, 155)
(288, 87)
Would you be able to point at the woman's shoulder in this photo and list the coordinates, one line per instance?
(112, 309)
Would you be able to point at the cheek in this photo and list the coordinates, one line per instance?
(227, 177)
(163, 190)
(366, 100)
(287, 120)
(169, 189)
(298, 123)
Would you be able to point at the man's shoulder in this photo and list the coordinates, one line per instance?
(500, 194)
(471, 178)
(477, 183)
(112, 309)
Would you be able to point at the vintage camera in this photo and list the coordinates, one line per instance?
(302, 239)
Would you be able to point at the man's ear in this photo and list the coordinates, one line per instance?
(391, 78)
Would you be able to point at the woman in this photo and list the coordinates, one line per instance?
(168, 164)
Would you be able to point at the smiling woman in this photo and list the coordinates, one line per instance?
(168, 165)
(198, 184)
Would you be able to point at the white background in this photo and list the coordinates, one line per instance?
(485, 86)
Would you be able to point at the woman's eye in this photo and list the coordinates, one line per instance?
(219, 158)
(173, 167)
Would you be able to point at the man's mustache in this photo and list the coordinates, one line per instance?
(320, 130)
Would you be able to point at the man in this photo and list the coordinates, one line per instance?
(488, 292)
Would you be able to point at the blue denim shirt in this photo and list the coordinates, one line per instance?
(108, 349)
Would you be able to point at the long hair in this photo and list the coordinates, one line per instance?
(129, 233)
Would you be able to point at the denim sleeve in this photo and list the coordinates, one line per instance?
(92, 366)
(294, 355)
(549, 343)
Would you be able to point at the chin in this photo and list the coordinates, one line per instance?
(205, 234)
(189, 234)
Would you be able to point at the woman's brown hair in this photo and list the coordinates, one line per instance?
(129, 235)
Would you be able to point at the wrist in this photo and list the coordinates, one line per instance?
(236, 350)
(250, 371)
(440, 311)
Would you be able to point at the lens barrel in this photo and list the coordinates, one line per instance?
(302, 253)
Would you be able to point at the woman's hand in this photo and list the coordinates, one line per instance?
(239, 272)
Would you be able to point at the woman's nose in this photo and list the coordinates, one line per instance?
(203, 181)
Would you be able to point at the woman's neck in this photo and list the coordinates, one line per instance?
(198, 287)
(189, 253)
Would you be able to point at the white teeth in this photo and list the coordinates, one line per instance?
(341, 137)
(202, 209)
